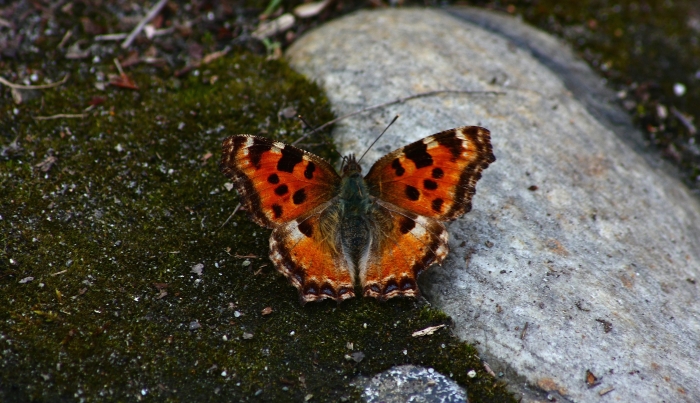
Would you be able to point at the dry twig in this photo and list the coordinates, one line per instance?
(151, 15)
(231, 216)
(62, 116)
(33, 87)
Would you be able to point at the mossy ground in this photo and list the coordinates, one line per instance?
(109, 214)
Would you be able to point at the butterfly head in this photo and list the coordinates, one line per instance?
(350, 166)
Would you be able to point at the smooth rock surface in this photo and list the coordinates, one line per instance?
(578, 254)
(409, 383)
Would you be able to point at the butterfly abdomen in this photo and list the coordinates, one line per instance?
(354, 206)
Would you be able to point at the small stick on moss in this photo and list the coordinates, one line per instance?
(110, 37)
(488, 369)
(33, 87)
(119, 67)
(151, 15)
(231, 216)
(62, 116)
(396, 101)
(65, 39)
(205, 60)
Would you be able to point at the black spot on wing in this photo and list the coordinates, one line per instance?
(290, 158)
(429, 184)
(306, 228)
(396, 164)
(274, 179)
(438, 173)
(281, 190)
(418, 153)
(454, 144)
(412, 193)
(256, 151)
(299, 196)
(309, 171)
(277, 210)
(437, 205)
(238, 142)
(424, 263)
(406, 225)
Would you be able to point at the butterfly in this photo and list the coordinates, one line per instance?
(332, 230)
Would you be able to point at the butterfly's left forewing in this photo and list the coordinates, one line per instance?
(277, 182)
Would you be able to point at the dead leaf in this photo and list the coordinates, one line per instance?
(46, 164)
(122, 81)
(427, 331)
(74, 52)
(274, 27)
(309, 10)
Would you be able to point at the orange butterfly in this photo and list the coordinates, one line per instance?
(385, 228)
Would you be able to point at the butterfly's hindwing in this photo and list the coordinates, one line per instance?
(308, 252)
(403, 244)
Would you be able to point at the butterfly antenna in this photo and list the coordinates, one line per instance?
(378, 137)
(308, 126)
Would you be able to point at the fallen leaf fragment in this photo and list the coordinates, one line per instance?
(606, 391)
(427, 331)
(591, 379)
(74, 52)
(309, 10)
(46, 164)
(267, 310)
(274, 27)
(122, 81)
(26, 280)
(488, 369)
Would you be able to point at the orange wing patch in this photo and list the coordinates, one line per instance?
(277, 182)
(308, 252)
(434, 177)
(403, 245)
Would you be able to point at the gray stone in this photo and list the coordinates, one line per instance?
(409, 383)
(595, 268)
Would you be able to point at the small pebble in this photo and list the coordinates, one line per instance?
(679, 89)
(198, 269)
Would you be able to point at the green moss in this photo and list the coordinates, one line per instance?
(133, 199)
